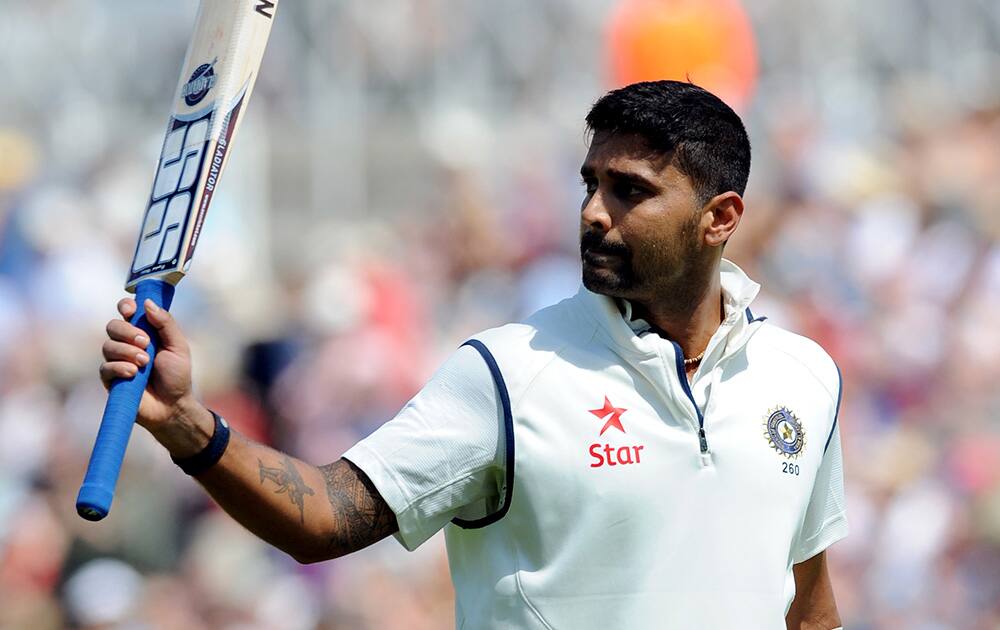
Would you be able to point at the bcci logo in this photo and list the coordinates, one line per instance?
(201, 81)
(784, 432)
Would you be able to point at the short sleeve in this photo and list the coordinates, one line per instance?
(442, 455)
(826, 516)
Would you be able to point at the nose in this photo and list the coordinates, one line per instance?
(595, 214)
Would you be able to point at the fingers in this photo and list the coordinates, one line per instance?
(121, 330)
(121, 351)
(170, 333)
(112, 370)
(125, 349)
(126, 306)
(122, 359)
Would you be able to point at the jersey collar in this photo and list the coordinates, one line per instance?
(738, 292)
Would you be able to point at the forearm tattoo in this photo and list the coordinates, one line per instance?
(289, 482)
(361, 516)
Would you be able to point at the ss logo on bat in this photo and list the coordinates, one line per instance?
(170, 203)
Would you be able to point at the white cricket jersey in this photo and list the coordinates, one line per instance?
(589, 485)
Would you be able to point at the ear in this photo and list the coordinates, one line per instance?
(720, 216)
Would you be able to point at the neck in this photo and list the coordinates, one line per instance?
(690, 321)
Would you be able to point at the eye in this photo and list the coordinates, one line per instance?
(625, 190)
(589, 184)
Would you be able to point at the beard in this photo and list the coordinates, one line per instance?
(652, 271)
(607, 265)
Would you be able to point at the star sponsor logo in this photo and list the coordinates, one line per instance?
(608, 454)
(784, 432)
(612, 413)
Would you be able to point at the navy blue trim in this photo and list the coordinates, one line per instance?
(751, 319)
(508, 429)
(836, 414)
(682, 375)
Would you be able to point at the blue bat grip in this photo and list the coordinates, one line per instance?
(98, 489)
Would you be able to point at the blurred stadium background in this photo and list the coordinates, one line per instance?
(406, 176)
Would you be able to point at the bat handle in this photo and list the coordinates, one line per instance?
(98, 490)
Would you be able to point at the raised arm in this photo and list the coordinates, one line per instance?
(312, 513)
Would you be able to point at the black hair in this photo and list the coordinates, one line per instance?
(706, 138)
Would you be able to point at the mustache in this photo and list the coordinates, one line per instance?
(596, 243)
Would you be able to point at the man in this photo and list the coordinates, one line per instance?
(646, 454)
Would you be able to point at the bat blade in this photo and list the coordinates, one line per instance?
(215, 83)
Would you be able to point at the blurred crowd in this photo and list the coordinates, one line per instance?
(405, 178)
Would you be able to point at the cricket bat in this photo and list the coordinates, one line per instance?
(216, 80)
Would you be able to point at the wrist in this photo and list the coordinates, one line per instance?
(211, 454)
(189, 430)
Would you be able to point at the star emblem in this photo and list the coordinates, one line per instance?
(612, 413)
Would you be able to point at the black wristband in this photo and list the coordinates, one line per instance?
(212, 453)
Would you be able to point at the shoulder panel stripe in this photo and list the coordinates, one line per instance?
(508, 428)
(836, 414)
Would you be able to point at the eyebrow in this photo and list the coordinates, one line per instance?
(622, 176)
